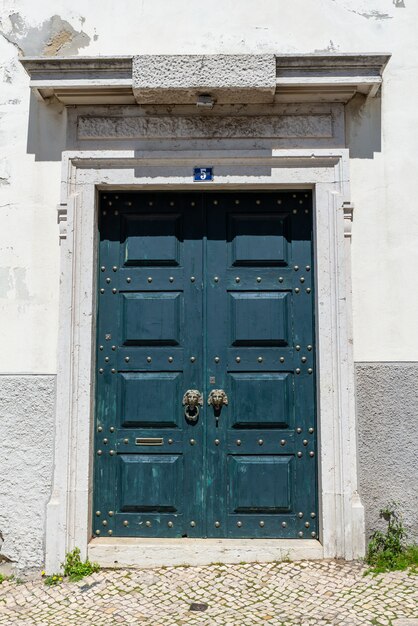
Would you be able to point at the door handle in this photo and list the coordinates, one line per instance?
(217, 398)
(192, 400)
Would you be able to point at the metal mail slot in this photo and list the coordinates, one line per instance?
(149, 441)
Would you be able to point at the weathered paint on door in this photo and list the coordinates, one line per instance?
(205, 291)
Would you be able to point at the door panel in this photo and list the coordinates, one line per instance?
(259, 318)
(150, 483)
(274, 497)
(260, 400)
(205, 291)
(258, 239)
(149, 387)
(150, 319)
(152, 239)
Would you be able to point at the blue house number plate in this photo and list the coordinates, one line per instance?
(202, 174)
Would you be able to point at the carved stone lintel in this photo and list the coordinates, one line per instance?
(313, 126)
(62, 221)
(348, 209)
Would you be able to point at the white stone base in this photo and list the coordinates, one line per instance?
(120, 552)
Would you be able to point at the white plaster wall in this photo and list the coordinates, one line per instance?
(26, 426)
(385, 249)
(29, 192)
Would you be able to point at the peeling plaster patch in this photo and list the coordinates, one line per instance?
(10, 69)
(20, 284)
(13, 284)
(54, 36)
(18, 25)
(5, 281)
(399, 4)
(63, 37)
(3, 557)
(6, 76)
(57, 42)
(375, 15)
(10, 40)
(332, 47)
(4, 172)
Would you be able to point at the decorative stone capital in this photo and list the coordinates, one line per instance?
(348, 209)
(62, 221)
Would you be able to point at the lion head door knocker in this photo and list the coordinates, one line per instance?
(217, 398)
(192, 400)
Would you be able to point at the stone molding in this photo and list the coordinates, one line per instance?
(242, 79)
(325, 171)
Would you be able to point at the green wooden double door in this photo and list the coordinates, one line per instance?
(205, 402)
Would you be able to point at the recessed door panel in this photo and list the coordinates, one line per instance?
(252, 489)
(151, 318)
(259, 318)
(150, 483)
(151, 239)
(261, 400)
(148, 398)
(258, 239)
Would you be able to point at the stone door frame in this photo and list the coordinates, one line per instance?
(69, 513)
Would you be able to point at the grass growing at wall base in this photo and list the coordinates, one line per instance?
(388, 551)
(388, 562)
(74, 569)
(12, 579)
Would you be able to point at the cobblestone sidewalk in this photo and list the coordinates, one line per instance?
(304, 593)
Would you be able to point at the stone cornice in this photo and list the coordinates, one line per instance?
(81, 80)
(228, 78)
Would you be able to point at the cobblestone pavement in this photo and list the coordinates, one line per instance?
(303, 593)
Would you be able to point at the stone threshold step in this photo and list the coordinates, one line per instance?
(121, 552)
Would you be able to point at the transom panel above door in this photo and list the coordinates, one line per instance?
(205, 404)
